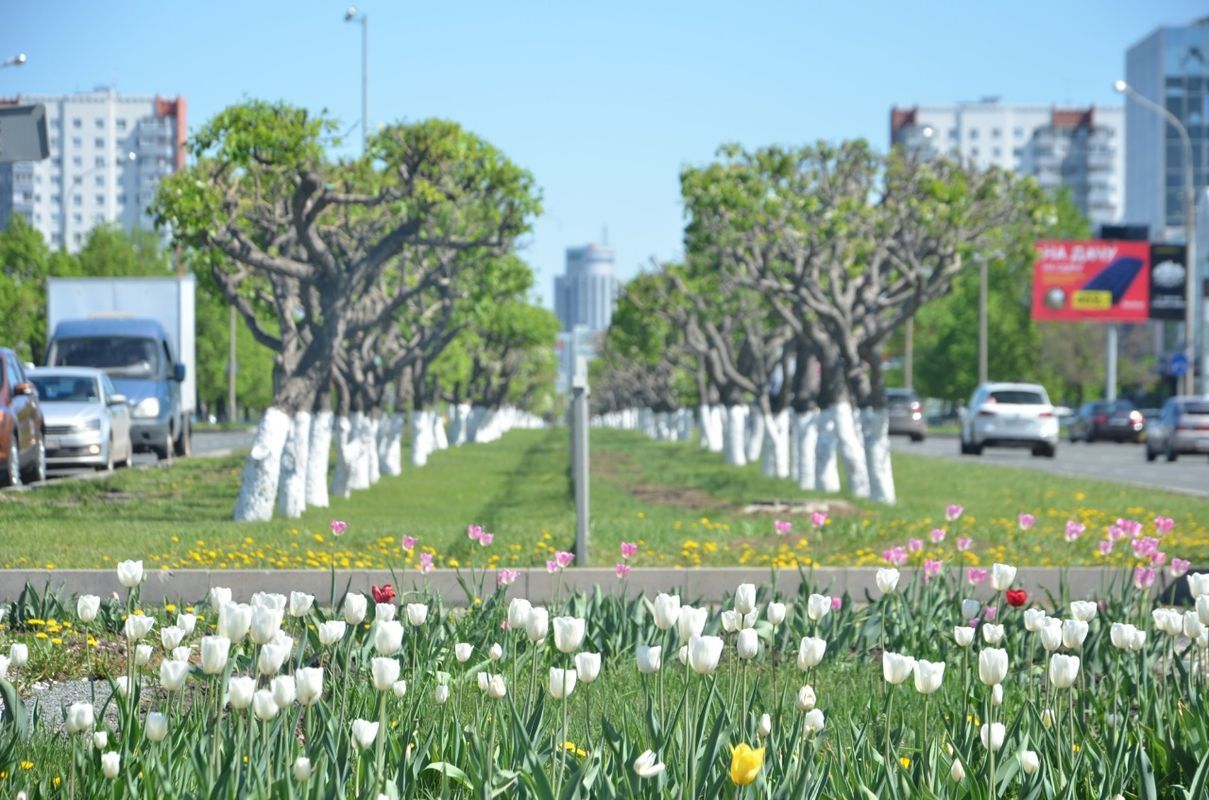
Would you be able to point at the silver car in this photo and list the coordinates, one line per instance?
(1182, 428)
(86, 421)
(1010, 415)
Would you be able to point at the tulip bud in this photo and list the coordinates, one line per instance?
(1034, 618)
(1050, 635)
(667, 611)
(745, 598)
(818, 606)
(171, 636)
(963, 635)
(219, 596)
(587, 666)
(1192, 625)
(234, 620)
(332, 631)
(300, 606)
(1029, 762)
(496, 688)
(813, 721)
(887, 580)
(748, 643)
(692, 622)
(992, 634)
(732, 621)
(703, 654)
(518, 613)
(462, 651)
(992, 734)
(928, 676)
(997, 694)
(1002, 576)
(970, 608)
(388, 637)
(399, 689)
(385, 612)
(130, 573)
(266, 621)
(1083, 610)
(417, 613)
(806, 698)
(239, 692)
(537, 624)
(648, 658)
(137, 626)
(122, 684)
(1063, 670)
(142, 655)
(775, 613)
(365, 733)
(18, 654)
(79, 718)
(483, 680)
(568, 633)
(682, 655)
(765, 726)
(647, 765)
(441, 694)
(896, 667)
(562, 683)
(111, 764)
(308, 684)
(992, 666)
(1047, 718)
(214, 653)
(264, 705)
(100, 740)
(187, 623)
(271, 658)
(354, 607)
(495, 652)
(957, 772)
(302, 769)
(810, 652)
(1074, 631)
(385, 672)
(173, 675)
(156, 727)
(284, 690)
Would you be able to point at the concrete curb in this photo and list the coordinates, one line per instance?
(705, 583)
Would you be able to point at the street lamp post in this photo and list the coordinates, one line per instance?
(1190, 332)
(352, 15)
(982, 318)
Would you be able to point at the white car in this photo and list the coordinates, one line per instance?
(86, 421)
(1010, 415)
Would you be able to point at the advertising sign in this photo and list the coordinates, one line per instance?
(1093, 281)
(1168, 281)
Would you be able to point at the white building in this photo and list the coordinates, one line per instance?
(107, 156)
(1081, 148)
(587, 292)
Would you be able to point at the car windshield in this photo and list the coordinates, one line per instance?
(1017, 397)
(118, 355)
(1196, 407)
(66, 389)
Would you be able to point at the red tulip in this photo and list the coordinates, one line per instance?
(383, 594)
(1016, 597)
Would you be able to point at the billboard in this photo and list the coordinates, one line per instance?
(1093, 281)
(1168, 281)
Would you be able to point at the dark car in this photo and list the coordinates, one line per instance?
(22, 449)
(1116, 420)
(906, 414)
(1182, 428)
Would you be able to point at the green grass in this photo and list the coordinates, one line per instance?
(681, 503)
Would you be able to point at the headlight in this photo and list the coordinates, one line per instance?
(93, 424)
(148, 407)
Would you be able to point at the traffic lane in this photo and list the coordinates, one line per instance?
(206, 444)
(1123, 463)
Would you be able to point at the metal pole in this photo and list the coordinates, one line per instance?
(982, 319)
(909, 353)
(1110, 387)
(232, 368)
(579, 467)
(364, 83)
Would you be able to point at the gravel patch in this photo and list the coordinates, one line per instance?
(52, 699)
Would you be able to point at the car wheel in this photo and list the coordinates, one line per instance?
(917, 437)
(1171, 455)
(163, 451)
(108, 465)
(12, 472)
(1045, 451)
(1150, 454)
(184, 443)
(37, 472)
(128, 462)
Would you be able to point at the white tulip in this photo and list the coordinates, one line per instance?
(137, 626)
(100, 740)
(963, 635)
(171, 636)
(1002, 577)
(496, 688)
(79, 718)
(775, 614)
(813, 721)
(765, 726)
(992, 634)
(970, 608)
(818, 606)
(703, 654)
(992, 735)
(130, 573)
(1063, 670)
(495, 652)
(417, 614)
(1192, 625)
(1048, 718)
(87, 606)
(568, 633)
(647, 765)
(214, 653)
(122, 684)
(186, 622)
(1029, 762)
(182, 653)
(896, 667)
(928, 675)
(992, 666)
(219, 596)
(365, 733)
(1034, 618)
(682, 655)
(441, 694)
(300, 603)
(1074, 631)
(266, 621)
(1083, 609)
(1121, 634)
(810, 652)
(1198, 583)
(301, 769)
(648, 658)
(1202, 607)
(399, 689)
(142, 655)
(332, 631)
(537, 624)
(239, 691)
(385, 612)
(732, 621)
(748, 643)
(284, 689)
(354, 608)
(587, 666)
(806, 698)
(692, 622)
(745, 598)
(385, 672)
(308, 684)
(156, 726)
(518, 612)
(1168, 620)
(388, 637)
(269, 600)
(1050, 635)
(462, 651)
(234, 620)
(887, 580)
(562, 682)
(271, 658)
(483, 679)
(957, 772)
(111, 764)
(173, 675)
(667, 611)
(997, 694)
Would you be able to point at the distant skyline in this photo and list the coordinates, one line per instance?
(604, 104)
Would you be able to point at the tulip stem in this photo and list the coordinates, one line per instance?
(380, 748)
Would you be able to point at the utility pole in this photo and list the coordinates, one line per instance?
(1110, 388)
(579, 457)
(982, 318)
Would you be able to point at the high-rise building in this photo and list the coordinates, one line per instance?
(1171, 68)
(1080, 148)
(108, 154)
(586, 293)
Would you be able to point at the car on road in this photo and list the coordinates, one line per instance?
(906, 414)
(87, 421)
(1117, 420)
(1181, 429)
(22, 450)
(1010, 415)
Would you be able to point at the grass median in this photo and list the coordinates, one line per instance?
(681, 504)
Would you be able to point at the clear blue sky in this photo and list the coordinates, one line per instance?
(604, 102)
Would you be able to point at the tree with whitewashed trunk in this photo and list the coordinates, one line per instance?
(321, 245)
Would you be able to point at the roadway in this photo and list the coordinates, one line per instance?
(206, 444)
(1123, 463)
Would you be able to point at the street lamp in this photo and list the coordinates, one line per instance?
(352, 15)
(1190, 334)
(16, 61)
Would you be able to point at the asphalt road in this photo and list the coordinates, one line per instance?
(205, 443)
(1124, 463)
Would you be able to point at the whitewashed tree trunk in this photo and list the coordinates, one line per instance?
(262, 470)
(852, 453)
(421, 437)
(686, 424)
(754, 433)
(370, 437)
(359, 460)
(459, 424)
(346, 455)
(827, 468)
(440, 441)
(390, 444)
(318, 456)
(705, 421)
(875, 430)
(733, 451)
(807, 451)
(473, 422)
(795, 460)
(776, 445)
(291, 486)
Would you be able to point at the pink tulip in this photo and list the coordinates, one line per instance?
(915, 545)
(485, 539)
(1106, 547)
(1025, 521)
(506, 576)
(1130, 527)
(1074, 530)
(895, 555)
(818, 518)
(782, 526)
(1179, 567)
(552, 566)
(953, 512)
(975, 575)
(938, 534)
(1163, 525)
(409, 543)
(564, 558)
(989, 613)
(622, 570)
(1143, 577)
(338, 527)
(1115, 533)
(932, 569)
(473, 532)
(1158, 559)
(425, 563)
(836, 603)
(964, 542)
(629, 549)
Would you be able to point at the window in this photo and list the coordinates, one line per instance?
(38, 179)
(100, 199)
(54, 142)
(121, 124)
(76, 141)
(56, 238)
(98, 218)
(56, 123)
(995, 132)
(974, 152)
(98, 142)
(1017, 151)
(995, 152)
(77, 200)
(77, 123)
(76, 180)
(37, 198)
(953, 134)
(77, 218)
(100, 124)
(973, 133)
(99, 180)
(77, 161)
(56, 199)
(121, 199)
(1018, 133)
(100, 161)
(77, 238)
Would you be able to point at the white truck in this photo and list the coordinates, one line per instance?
(141, 331)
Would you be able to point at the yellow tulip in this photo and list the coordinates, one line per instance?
(745, 763)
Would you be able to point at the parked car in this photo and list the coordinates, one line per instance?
(1010, 415)
(1182, 428)
(1118, 420)
(87, 420)
(21, 446)
(906, 414)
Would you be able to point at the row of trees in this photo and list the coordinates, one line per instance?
(379, 284)
(801, 265)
